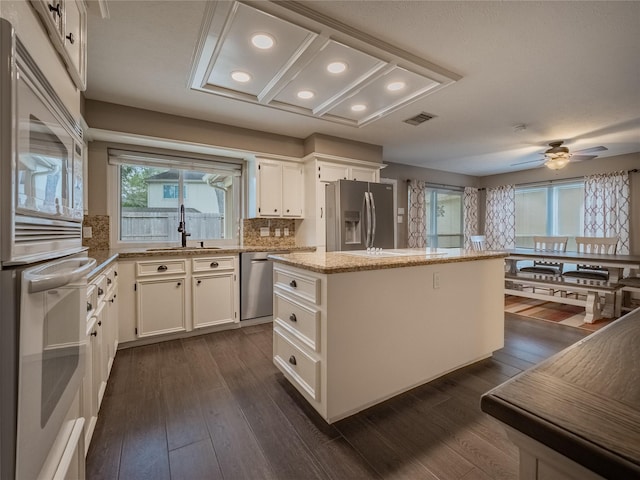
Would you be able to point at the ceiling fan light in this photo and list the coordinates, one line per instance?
(557, 162)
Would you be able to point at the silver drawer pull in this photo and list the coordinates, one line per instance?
(162, 268)
(89, 307)
(293, 318)
(100, 291)
(293, 284)
(292, 360)
(109, 281)
(214, 264)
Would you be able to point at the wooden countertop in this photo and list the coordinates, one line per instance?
(340, 262)
(583, 402)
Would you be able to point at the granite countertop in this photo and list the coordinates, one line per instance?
(340, 262)
(583, 402)
(105, 257)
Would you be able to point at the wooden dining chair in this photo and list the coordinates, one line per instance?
(597, 245)
(547, 244)
(478, 242)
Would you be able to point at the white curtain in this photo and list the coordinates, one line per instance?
(606, 207)
(500, 225)
(470, 212)
(417, 215)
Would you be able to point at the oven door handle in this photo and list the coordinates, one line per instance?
(62, 273)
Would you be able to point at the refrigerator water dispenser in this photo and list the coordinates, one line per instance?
(352, 230)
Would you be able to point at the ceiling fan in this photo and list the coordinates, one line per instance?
(558, 156)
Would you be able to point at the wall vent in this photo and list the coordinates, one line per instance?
(418, 119)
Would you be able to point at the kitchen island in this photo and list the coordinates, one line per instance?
(352, 329)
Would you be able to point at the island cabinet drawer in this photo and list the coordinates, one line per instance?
(300, 321)
(112, 277)
(212, 264)
(299, 366)
(302, 286)
(166, 267)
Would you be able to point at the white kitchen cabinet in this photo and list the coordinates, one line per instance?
(161, 305)
(279, 190)
(66, 24)
(292, 190)
(269, 189)
(98, 360)
(214, 289)
(330, 172)
(111, 317)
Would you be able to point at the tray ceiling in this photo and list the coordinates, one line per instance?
(293, 73)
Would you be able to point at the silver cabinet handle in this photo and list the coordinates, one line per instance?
(163, 268)
(100, 291)
(89, 307)
(214, 264)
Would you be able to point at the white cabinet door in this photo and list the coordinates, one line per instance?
(330, 172)
(89, 411)
(74, 39)
(269, 189)
(292, 190)
(213, 299)
(161, 303)
(364, 174)
(111, 330)
(98, 365)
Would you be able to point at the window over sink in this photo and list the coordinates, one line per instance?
(150, 187)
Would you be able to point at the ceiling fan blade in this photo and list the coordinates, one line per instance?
(591, 150)
(528, 161)
(580, 158)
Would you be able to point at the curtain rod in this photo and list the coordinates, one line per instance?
(541, 182)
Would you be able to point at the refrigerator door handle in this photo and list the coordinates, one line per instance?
(367, 207)
(373, 216)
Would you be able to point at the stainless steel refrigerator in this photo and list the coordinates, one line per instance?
(359, 215)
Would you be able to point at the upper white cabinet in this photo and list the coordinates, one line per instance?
(279, 190)
(66, 24)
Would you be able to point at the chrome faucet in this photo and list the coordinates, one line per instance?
(182, 227)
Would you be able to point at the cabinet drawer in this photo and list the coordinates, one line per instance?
(211, 264)
(298, 365)
(100, 282)
(301, 322)
(92, 300)
(306, 288)
(167, 267)
(112, 278)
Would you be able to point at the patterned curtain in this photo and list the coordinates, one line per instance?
(606, 207)
(417, 215)
(470, 212)
(500, 225)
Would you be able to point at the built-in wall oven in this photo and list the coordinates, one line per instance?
(42, 270)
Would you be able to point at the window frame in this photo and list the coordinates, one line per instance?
(114, 194)
(433, 191)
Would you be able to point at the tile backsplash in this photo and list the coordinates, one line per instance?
(251, 229)
(99, 225)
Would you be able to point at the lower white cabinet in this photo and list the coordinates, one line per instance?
(174, 295)
(213, 299)
(161, 303)
(101, 345)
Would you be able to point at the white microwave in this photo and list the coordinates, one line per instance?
(41, 167)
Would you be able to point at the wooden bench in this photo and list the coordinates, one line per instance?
(590, 290)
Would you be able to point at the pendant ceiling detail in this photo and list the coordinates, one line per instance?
(286, 56)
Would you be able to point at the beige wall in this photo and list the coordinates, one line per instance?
(340, 147)
(574, 170)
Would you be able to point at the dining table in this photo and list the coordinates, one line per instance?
(617, 265)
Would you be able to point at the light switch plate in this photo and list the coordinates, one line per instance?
(286, 231)
(400, 211)
(400, 218)
(277, 232)
(87, 232)
(264, 231)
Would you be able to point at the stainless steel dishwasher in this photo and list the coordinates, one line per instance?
(256, 285)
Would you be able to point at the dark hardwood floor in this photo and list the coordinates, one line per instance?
(215, 406)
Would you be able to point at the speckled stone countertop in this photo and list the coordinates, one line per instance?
(105, 257)
(340, 262)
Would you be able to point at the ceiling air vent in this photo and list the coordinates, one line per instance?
(418, 119)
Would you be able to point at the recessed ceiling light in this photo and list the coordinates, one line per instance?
(242, 77)
(262, 41)
(395, 86)
(305, 94)
(336, 67)
(358, 107)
